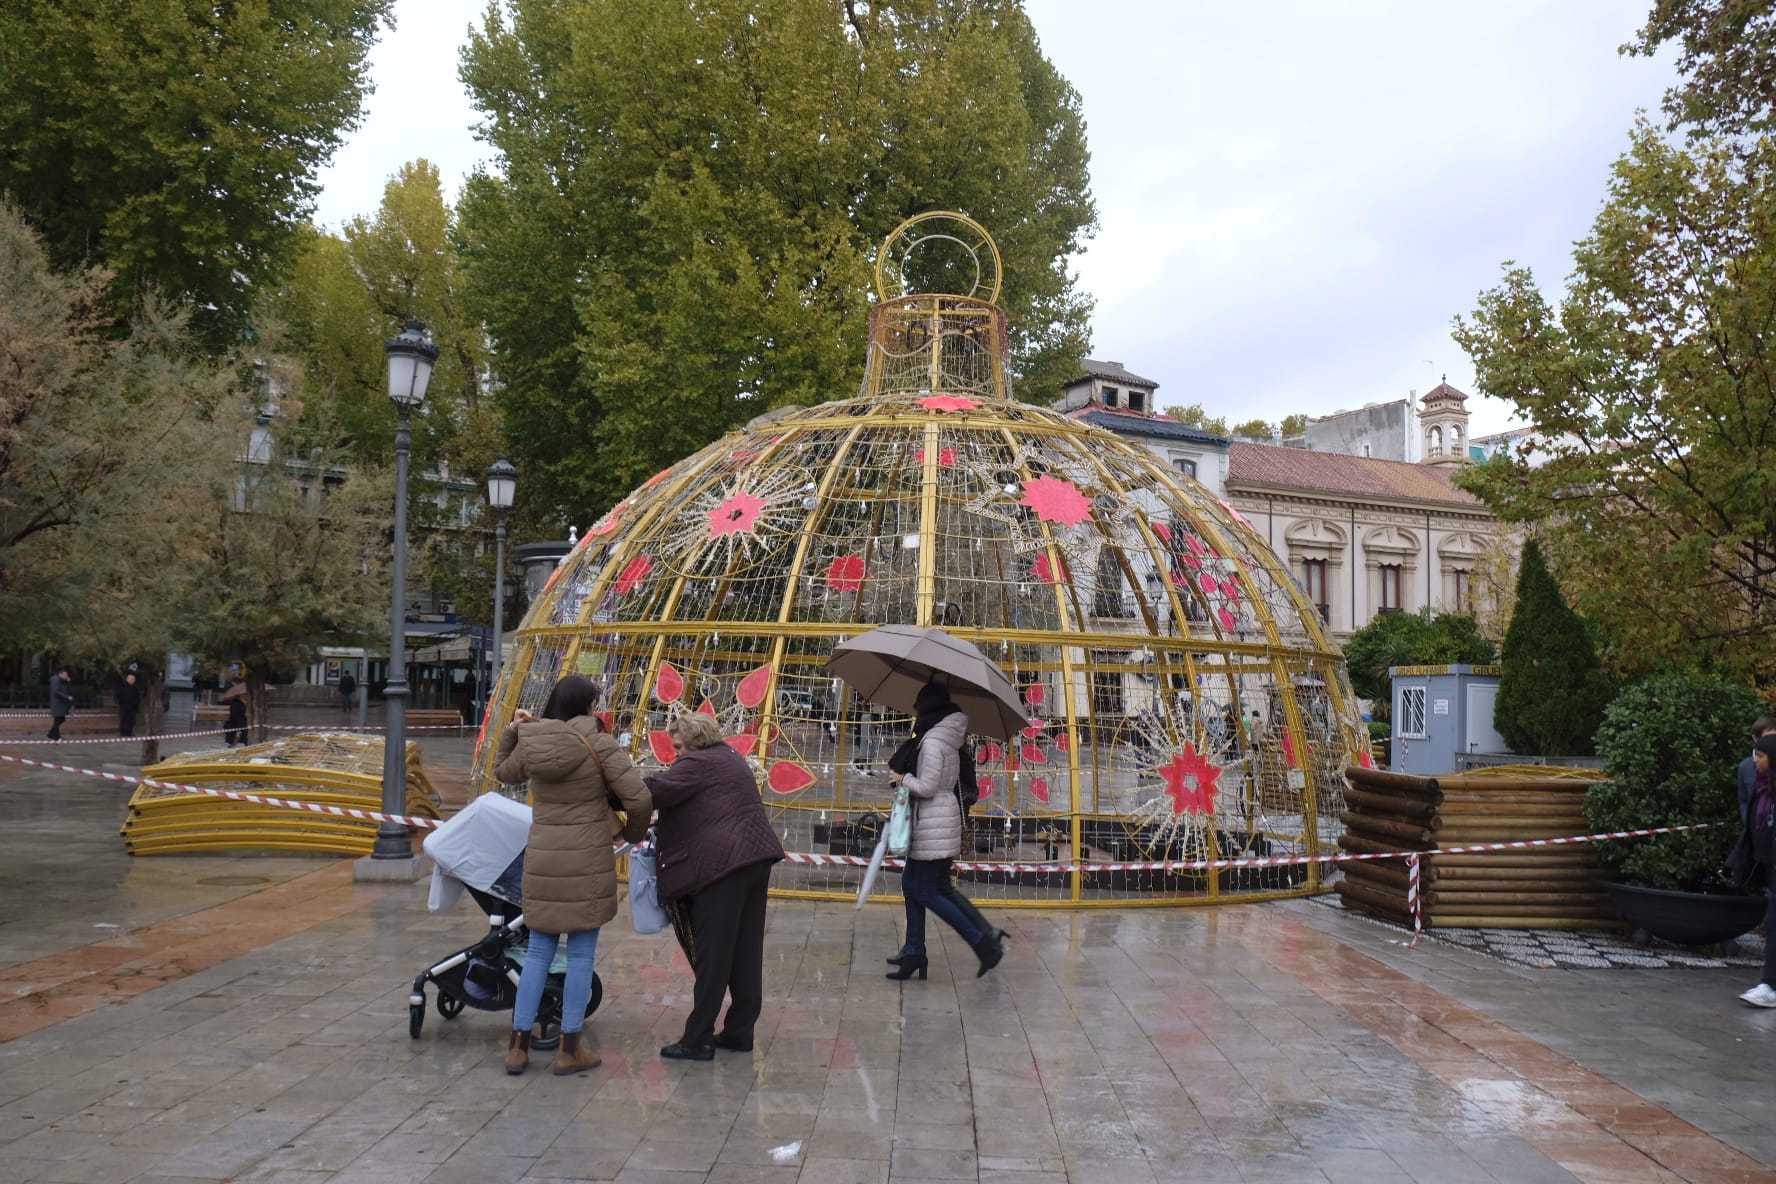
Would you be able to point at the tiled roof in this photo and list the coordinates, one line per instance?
(1092, 368)
(1444, 393)
(1334, 473)
(1133, 423)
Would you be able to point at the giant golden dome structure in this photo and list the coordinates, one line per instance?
(1185, 702)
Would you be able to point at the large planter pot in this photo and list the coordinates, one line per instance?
(1686, 918)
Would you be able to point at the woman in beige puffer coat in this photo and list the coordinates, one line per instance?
(574, 772)
(928, 772)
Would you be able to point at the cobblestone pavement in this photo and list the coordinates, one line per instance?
(214, 1018)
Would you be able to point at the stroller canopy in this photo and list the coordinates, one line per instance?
(476, 847)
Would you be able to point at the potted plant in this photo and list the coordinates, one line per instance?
(1671, 746)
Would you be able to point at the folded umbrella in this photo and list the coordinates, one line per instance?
(890, 664)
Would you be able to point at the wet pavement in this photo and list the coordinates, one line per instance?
(214, 1018)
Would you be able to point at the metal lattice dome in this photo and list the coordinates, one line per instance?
(1185, 701)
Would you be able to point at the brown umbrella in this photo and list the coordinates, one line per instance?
(888, 666)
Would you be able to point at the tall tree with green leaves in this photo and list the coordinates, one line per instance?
(689, 201)
(1727, 61)
(177, 144)
(1552, 689)
(1196, 417)
(1650, 387)
(104, 437)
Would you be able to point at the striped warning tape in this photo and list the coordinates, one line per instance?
(1413, 858)
(69, 740)
(234, 795)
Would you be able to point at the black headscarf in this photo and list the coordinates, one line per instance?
(931, 708)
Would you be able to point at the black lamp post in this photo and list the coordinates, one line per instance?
(410, 359)
(502, 484)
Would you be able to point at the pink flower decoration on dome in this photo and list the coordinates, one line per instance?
(1039, 790)
(1163, 531)
(1049, 571)
(634, 573)
(1228, 620)
(846, 573)
(948, 403)
(738, 515)
(788, 777)
(945, 457)
(1364, 759)
(1289, 750)
(1190, 782)
(1055, 500)
(655, 479)
(1237, 516)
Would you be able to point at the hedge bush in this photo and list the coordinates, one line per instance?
(1671, 747)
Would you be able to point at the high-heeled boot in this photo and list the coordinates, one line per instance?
(904, 956)
(910, 965)
(574, 1057)
(989, 950)
(518, 1053)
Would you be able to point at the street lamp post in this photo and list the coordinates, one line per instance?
(502, 483)
(410, 359)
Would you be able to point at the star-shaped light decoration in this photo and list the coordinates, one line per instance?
(1184, 785)
(1055, 500)
(1190, 781)
(948, 403)
(739, 514)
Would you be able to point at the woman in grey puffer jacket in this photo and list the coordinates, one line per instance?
(939, 728)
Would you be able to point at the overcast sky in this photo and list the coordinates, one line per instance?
(1294, 197)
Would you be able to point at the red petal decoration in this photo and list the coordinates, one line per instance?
(661, 743)
(1035, 729)
(632, 575)
(1055, 500)
(986, 788)
(1035, 693)
(988, 754)
(607, 523)
(606, 722)
(1228, 620)
(742, 744)
(1162, 530)
(1033, 755)
(788, 777)
(1364, 759)
(948, 403)
(668, 685)
(846, 573)
(946, 457)
(1049, 571)
(706, 708)
(1039, 790)
(752, 688)
(1063, 743)
(655, 479)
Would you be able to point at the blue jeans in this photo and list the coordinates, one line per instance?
(926, 885)
(576, 992)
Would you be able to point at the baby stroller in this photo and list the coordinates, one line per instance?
(481, 850)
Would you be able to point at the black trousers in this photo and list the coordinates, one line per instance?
(55, 726)
(236, 731)
(126, 722)
(728, 925)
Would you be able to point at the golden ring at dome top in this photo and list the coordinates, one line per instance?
(929, 251)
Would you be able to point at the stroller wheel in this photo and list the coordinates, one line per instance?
(416, 1017)
(449, 1006)
(597, 995)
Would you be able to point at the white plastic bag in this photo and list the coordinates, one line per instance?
(644, 891)
(900, 825)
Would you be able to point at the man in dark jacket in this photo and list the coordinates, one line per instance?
(716, 851)
(129, 701)
(61, 700)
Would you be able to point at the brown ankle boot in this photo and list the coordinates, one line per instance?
(574, 1057)
(518, 1053)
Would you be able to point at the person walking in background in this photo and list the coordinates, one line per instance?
(928, 768)
(716, 851)
(235, 697)
(129, 701)
(578, 779)
(1748, 770)
(1760, 824)
(61, 700)
(348, 690)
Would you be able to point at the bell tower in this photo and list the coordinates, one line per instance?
(1443, 422)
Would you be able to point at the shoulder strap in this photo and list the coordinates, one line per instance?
(590, 751)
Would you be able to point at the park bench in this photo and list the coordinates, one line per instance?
(434, 717)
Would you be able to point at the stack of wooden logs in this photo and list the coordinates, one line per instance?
(1553, 887)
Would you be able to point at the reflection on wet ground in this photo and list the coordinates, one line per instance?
(221, 1018)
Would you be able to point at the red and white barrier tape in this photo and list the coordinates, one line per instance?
(77, 739)
(233, 795)
(1413, 858)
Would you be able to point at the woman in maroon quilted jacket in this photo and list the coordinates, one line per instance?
(716, 851)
